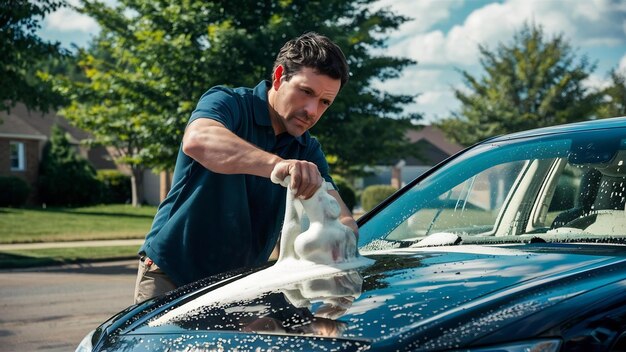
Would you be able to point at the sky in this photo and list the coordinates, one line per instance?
(443, 37)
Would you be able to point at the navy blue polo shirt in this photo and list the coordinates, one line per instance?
(209, 222)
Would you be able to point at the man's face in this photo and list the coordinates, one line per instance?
(300, 102)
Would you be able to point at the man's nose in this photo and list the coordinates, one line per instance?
(311, 109)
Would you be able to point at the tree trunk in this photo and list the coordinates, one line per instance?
(136, 181)
(165, 184)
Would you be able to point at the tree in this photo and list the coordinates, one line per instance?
(65, 178)
(614, 102)
(22, 49)
(147, 70)
(529, 83)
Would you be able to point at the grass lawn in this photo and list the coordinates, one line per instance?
(101, 222)
(54, 256)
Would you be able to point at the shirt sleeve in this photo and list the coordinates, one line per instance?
(316, 156)
(219, 104)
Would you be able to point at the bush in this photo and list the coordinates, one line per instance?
(66, 179)
(345, 191)
(116, 187)
(13, 191)
(373, 195)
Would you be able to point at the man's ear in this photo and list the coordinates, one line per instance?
(278, 74)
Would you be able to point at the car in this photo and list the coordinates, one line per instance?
(517, 243)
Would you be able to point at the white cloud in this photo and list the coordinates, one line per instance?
(433, 87)
(415, 81)
(424, 13)
(67, 20)
(460, 45)
(589, 26)
(622, 64)
(596, 82)
(597, 22)
(425, 48)
(585, 23)
(435, 105)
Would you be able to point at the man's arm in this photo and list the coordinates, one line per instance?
(218, 149)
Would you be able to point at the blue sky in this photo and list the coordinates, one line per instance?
(444, 36)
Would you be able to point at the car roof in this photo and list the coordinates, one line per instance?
(608, 123)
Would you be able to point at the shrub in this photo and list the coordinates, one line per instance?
(345, 191)
(65, 178)
(13, 191)
(116, 186)
(373, 195)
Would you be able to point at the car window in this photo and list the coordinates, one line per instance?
(584, 197)
(575, 188)
(556, 186)
(470, 207)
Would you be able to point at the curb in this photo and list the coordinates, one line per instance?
(70, 244)
(81, 264)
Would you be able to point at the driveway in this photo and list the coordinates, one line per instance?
(53, 308)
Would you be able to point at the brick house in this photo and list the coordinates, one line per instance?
(20, 149)
(23, 135)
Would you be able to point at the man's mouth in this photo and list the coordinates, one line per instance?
(302, 120)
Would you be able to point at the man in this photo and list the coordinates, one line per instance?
(223, 212)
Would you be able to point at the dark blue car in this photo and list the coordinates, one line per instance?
(515, 244)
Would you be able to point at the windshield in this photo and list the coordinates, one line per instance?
(558, 188)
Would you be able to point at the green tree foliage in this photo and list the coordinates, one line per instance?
(154, 59)
(614, 102)
(373, 195)
(14, 191)
(116, 186)
(529, 83)
(346, 191)
(22, 50)
(65, 178)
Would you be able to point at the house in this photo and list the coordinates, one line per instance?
(20, 148)
(23, 135)
(433, 148)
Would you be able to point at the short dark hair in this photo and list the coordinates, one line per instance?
(314, 51)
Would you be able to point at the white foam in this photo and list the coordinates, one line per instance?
(438, 239)
(320, 248)
(312, 230)
(288, 273)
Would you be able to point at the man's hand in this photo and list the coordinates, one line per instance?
(305, 177)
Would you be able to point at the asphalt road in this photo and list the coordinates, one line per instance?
(52, 309)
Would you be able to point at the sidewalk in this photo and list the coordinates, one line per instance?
(70, 244)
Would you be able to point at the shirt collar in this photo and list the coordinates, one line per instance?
(261, 108)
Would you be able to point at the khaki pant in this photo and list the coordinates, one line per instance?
(151, 281)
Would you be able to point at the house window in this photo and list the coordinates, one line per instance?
(18, 157)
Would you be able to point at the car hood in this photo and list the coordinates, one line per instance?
(421, 298)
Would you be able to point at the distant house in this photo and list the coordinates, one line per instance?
(433, 147)
(24, 133)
